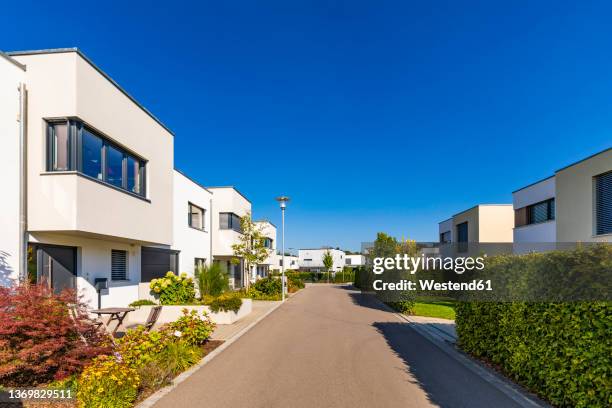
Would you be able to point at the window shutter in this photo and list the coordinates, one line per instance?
(118, 265)
(520, 217)
(603, 203)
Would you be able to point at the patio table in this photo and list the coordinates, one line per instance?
(116, 313)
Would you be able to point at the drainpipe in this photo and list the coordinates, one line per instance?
(23, 196)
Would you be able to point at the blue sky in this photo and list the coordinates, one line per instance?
(373, 116)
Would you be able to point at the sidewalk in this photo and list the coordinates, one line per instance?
(227, 331)
(441, 329)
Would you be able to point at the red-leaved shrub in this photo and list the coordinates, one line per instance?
(44, 336)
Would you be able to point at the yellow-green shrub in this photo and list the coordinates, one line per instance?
(107, 382)
(173, 289)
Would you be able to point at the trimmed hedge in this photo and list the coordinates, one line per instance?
(562, 351)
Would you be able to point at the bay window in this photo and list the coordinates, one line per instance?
(73, 146)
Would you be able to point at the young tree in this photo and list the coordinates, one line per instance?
(251, 247)
(328, 262)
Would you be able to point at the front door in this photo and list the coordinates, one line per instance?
(55, 265)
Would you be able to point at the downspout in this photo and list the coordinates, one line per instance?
(23, 195)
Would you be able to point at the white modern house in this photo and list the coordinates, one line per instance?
(229, 206)
(192, 220)
(354, 260)
(291, 262)
(269, 231)
(87, 176)
(311, 260)
(573, 205)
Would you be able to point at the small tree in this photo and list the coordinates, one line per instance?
(212, 280)
(328, 262)
(251, 247)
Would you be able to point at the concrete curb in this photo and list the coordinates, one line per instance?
(446, 343)
(159, 394)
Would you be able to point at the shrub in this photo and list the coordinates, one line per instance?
(268, 286)
(192, 328)
(178, 356)
(294, 284)
(212, 280)
(142, 302)
(173, 290)
(226, 302)
(154, 375)
(405, 302)
(108, 382)
(139, 346)
(40, 339)
(562, 351)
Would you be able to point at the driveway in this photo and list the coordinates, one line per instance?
(329, 346)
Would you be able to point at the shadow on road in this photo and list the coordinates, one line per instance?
(367, 300)
(446, 382)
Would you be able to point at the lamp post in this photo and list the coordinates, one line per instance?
(282, 200)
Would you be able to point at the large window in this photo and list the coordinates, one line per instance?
(535, 213)
(445, 237)
(229, 221)
(195, 217)
(267, 243)
(73, 146)
(603, 204)
(462, 237)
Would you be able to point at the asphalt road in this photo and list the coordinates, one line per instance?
(332, 347)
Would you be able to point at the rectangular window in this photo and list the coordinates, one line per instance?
(445, 237)
(462, 237)
(229, 221)
(535, 213)
(59, 147)
(267, 243)
(603, 204)
(348, 261)
(71, 145)
(91, 154)
(196, 217)
(118, 265)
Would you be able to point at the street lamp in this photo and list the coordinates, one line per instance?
(282, 200)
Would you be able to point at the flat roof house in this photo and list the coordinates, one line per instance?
(311, 260)
(192, 221)
(483, 223)
(572, 205)
(97, 179)
(229, 206)
(269, 231)
(354, 260)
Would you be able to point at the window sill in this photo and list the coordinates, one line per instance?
(534, 224)
(85, 176)
(198, 229)
(608, 235)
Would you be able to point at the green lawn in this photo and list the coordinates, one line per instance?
(442, 308)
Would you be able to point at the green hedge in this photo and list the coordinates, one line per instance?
(561, 351)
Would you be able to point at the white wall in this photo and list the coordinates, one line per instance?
(444, 226)
(10, 78)
(313, 258)
(291, 262)
(193, 243)
(356, 260)
(535, 193)
(269, 230)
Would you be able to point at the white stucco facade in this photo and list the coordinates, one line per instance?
(312, 259)
(12, 75)
(541, 232)
(269, 231)
(193, 241)
(354, 260)
(291, 262)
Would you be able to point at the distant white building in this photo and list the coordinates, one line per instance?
(311, 260)
(291, 262)
(354, 260)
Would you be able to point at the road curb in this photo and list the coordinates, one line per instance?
(446, 344)
(159, 394)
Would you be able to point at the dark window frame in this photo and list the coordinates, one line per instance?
(127, 260)
(189, 212)
(233, 222)
(75, 155)
(602, 200)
